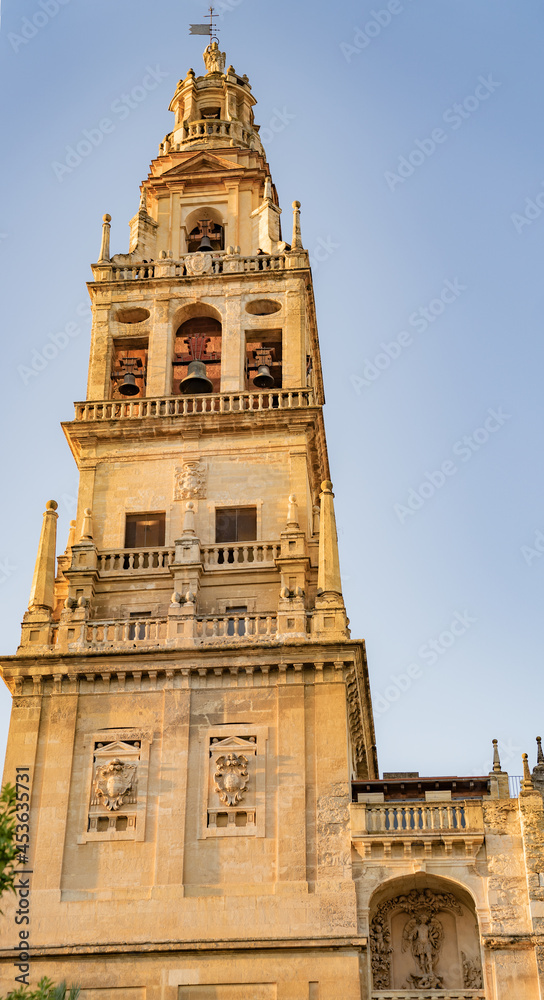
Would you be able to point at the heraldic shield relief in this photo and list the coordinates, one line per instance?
(112, 782)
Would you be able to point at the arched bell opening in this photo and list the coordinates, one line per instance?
(424, 935)
(197, 357)
(129, 368)
(204, 231)
(263, 360)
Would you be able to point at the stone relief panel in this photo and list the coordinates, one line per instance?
(423, 940)
(190, 481)
(235, 782)
(116, 801)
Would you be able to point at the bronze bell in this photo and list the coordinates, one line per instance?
(205, 245)
(263, 378)
(196, 381)
(128, 386)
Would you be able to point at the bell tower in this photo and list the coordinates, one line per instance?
(187, 698)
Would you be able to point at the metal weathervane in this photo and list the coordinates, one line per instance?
(210, 29)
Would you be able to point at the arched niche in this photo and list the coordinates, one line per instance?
(424, 936)
(197, 335)
(201, 222)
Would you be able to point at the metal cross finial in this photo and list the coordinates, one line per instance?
(210, 29)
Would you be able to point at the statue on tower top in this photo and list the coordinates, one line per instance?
(214, 59)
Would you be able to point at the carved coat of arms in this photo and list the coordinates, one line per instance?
(112, 781)
(189, 481)
(231, 778)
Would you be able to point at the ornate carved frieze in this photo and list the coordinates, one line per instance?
(190, 481)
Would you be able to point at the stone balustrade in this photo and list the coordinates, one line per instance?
(113, 562)
(132, 631)
(195, 265)
(425, 817)
(144, 632)
(181, 406)
(215, 128)
(418, 829)
(236, 626)
(244, 554)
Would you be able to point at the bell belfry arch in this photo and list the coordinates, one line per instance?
(207, 820)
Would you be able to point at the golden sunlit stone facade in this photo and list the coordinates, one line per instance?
(191, 716)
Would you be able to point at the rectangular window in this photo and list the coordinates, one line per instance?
(235, 524)
(144, 530)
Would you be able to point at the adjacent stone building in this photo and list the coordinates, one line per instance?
(190, 714)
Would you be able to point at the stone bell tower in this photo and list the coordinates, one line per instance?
(187, 699)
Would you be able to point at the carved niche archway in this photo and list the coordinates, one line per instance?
(424, 936)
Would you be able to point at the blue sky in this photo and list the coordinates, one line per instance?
(411, 133)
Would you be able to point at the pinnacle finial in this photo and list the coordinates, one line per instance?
(71, 536)
(539, 751)
(292, 512)
(189, 519)
(143, 200)
(496, 758)
(527, 782)
(104, 257)
(296, 242)
(43, 582)
(328, 578)
(87, 526)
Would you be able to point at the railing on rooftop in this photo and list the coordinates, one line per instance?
(145, 560)
(193, 265)
(181, 406)
(147, 632)
(409, 818)
(245, 554)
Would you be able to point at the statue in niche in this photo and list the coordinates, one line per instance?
(231, 778)
(424, 935)
(112, 781)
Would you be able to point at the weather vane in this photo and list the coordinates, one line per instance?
(210, 29)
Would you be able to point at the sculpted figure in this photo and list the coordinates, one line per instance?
(424, 935)
(214, 59)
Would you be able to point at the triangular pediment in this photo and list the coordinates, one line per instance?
(117, 749)
(234, 743)
(199, 163)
